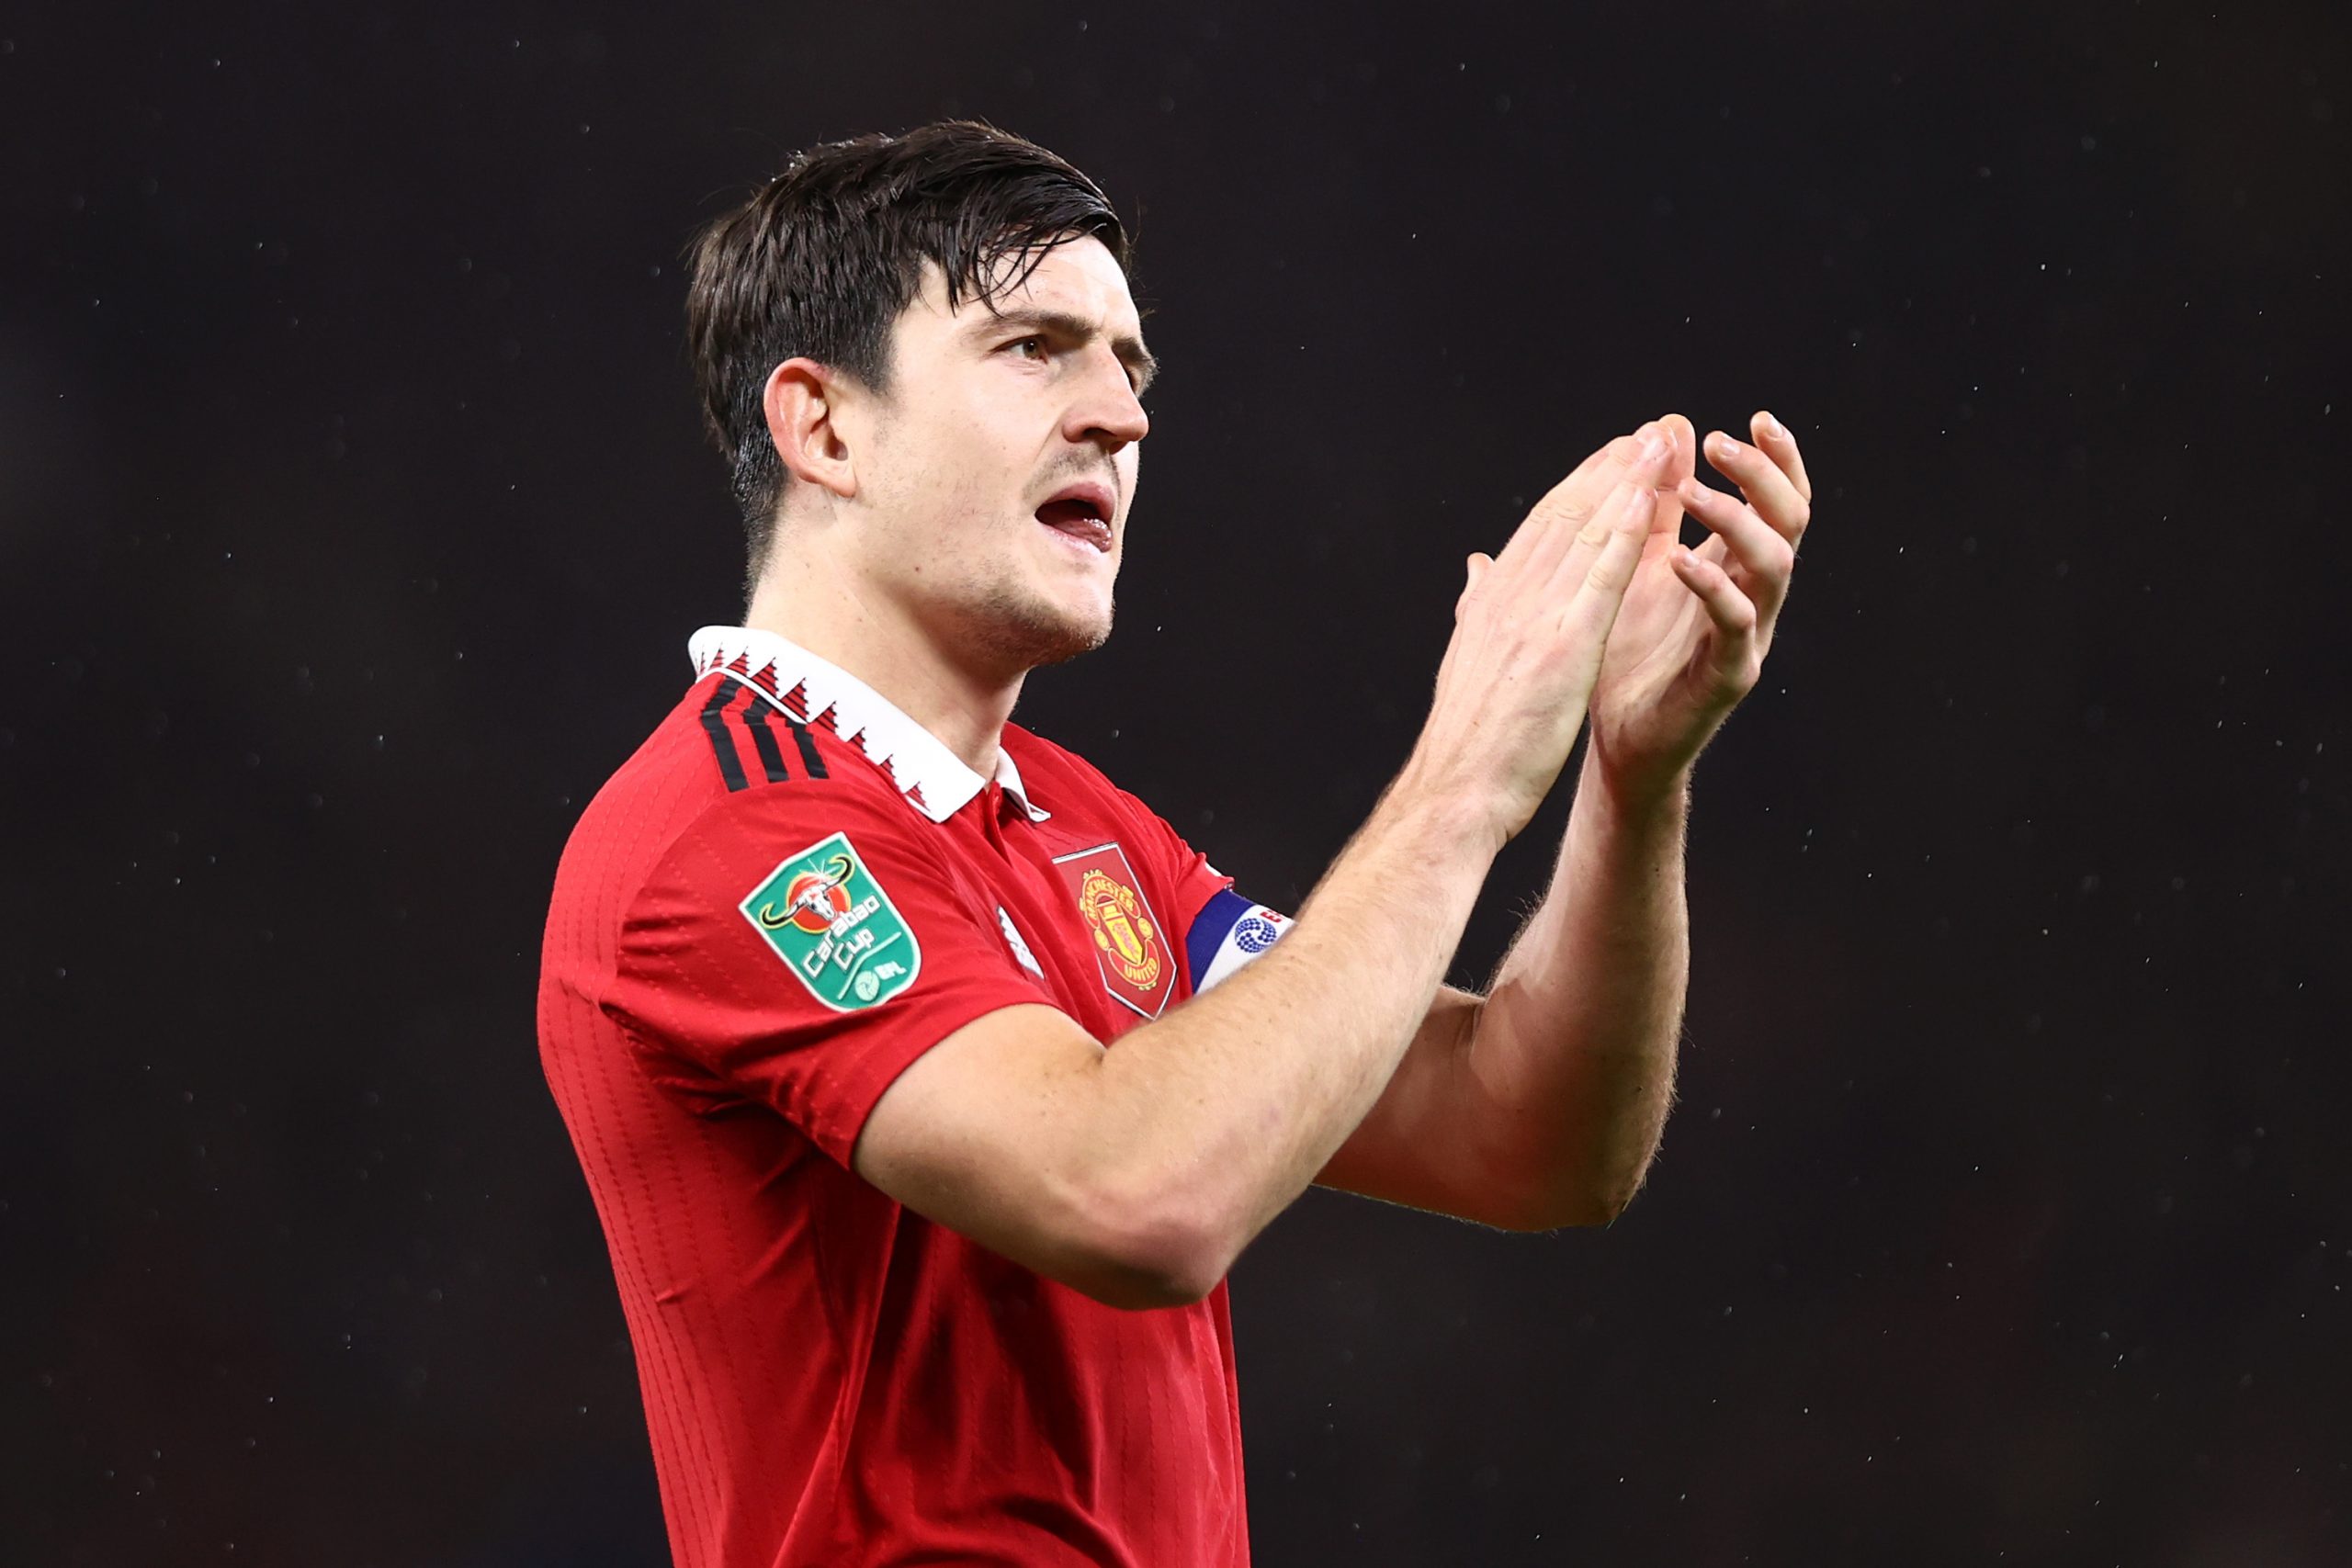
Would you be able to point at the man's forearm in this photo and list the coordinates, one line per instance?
(1234, 1101)
(1577, 1037)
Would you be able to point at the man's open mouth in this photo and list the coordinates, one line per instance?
(1082, 512)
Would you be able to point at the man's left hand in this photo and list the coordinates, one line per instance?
(1691, 637)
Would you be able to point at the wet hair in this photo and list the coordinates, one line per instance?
(820, 262)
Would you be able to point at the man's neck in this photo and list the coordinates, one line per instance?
(879, 643)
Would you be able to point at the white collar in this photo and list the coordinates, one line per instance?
(812, 691)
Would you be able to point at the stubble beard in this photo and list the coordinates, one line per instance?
(1018, 631)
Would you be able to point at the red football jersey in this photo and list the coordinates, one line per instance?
(788, 894)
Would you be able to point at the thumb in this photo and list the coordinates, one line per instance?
(1476, 565)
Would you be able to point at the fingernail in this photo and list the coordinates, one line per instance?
(1774, 425)
(1653, 444)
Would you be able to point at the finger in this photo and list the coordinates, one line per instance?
(1736, 655)
(1569, 512)
(1780, 443)
(1594, 477)
(1573, 499)
(1767, 486)
(1766, 556)
(1592, 608)
(1590, 481)
(1626, 510)
(1616, 461)
(1616, 455)
(1682, 463)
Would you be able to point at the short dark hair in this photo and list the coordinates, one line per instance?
(820, 260)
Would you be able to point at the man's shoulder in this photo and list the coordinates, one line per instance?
(726, 755)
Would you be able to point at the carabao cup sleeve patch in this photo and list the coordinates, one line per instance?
(824, 912)
(1227, 933)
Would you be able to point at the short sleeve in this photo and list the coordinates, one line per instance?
(805, 945)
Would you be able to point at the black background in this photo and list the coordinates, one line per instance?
(352, 518)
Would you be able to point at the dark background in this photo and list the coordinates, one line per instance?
(352, 518)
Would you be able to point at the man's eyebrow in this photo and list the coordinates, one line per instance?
(1140, 361)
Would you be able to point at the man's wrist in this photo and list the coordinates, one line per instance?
(1638, 807)
(1448, 825)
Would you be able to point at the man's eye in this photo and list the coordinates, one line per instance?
(1020, 345)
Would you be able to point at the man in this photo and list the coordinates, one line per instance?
(927, 1084)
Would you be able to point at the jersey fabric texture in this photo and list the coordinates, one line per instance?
(789, 893)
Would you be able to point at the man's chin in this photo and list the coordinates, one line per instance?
(1060, 641)
(1026, 635)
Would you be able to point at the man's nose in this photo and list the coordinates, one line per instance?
(1108, 412)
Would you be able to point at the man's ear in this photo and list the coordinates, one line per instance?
(801, 399)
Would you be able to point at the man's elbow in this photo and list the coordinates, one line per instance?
(1148, 1253)
(1145, 1287)
(1589, 1209)
(1573, 1204)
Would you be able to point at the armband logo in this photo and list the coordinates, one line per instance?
(1258, 931)
(829, 919)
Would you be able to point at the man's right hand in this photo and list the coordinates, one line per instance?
(1528, 634)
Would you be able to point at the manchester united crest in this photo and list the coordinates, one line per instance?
(1129, 946)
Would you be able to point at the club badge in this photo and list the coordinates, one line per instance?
(1129, 946)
